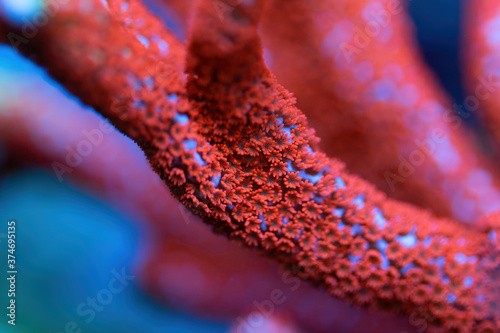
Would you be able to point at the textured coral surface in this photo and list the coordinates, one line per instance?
(232, 146)
(360, 79)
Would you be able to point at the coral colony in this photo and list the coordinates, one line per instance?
(233, 147)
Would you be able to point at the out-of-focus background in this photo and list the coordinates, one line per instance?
(77, 253)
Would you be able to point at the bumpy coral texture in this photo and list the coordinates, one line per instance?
(190, 268)
(360, 80)
(232, 146)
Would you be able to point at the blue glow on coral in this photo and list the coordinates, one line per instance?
(439, 261)
(491, 31)
(198, 159)
(359, 201)
(279, 121)
(173, 98)
(144, 41)
(340, 183)
(460, 258)
(312, 178)
(288, 131)
(268, 57)
(382, 90)
(356, 230)
(162, 45)
(339, 212)
(354, 259)
(149, 82)
(379, 219)
(409, 240)
(385, 261)
(317, 199)
(190, 144)
(381, 245)
(406, 268)
(447, 156)
(468, 281)
(216, 179)
(263, 225)
(139, 104)
(181, 118)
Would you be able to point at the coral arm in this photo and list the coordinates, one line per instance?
(425, 148)
(358, 76)
(217, 95)
(481, 56)
(182, 245)
(44, 127)
(254, 172)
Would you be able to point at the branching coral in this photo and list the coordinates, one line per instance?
(359, 79)
(232, 146)
(189, 267)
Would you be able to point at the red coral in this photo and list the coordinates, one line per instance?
(230, 96)
(378, 108)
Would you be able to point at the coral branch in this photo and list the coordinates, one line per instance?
(481, 60)
(226, 273)
(355, 69)
(251, 167)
